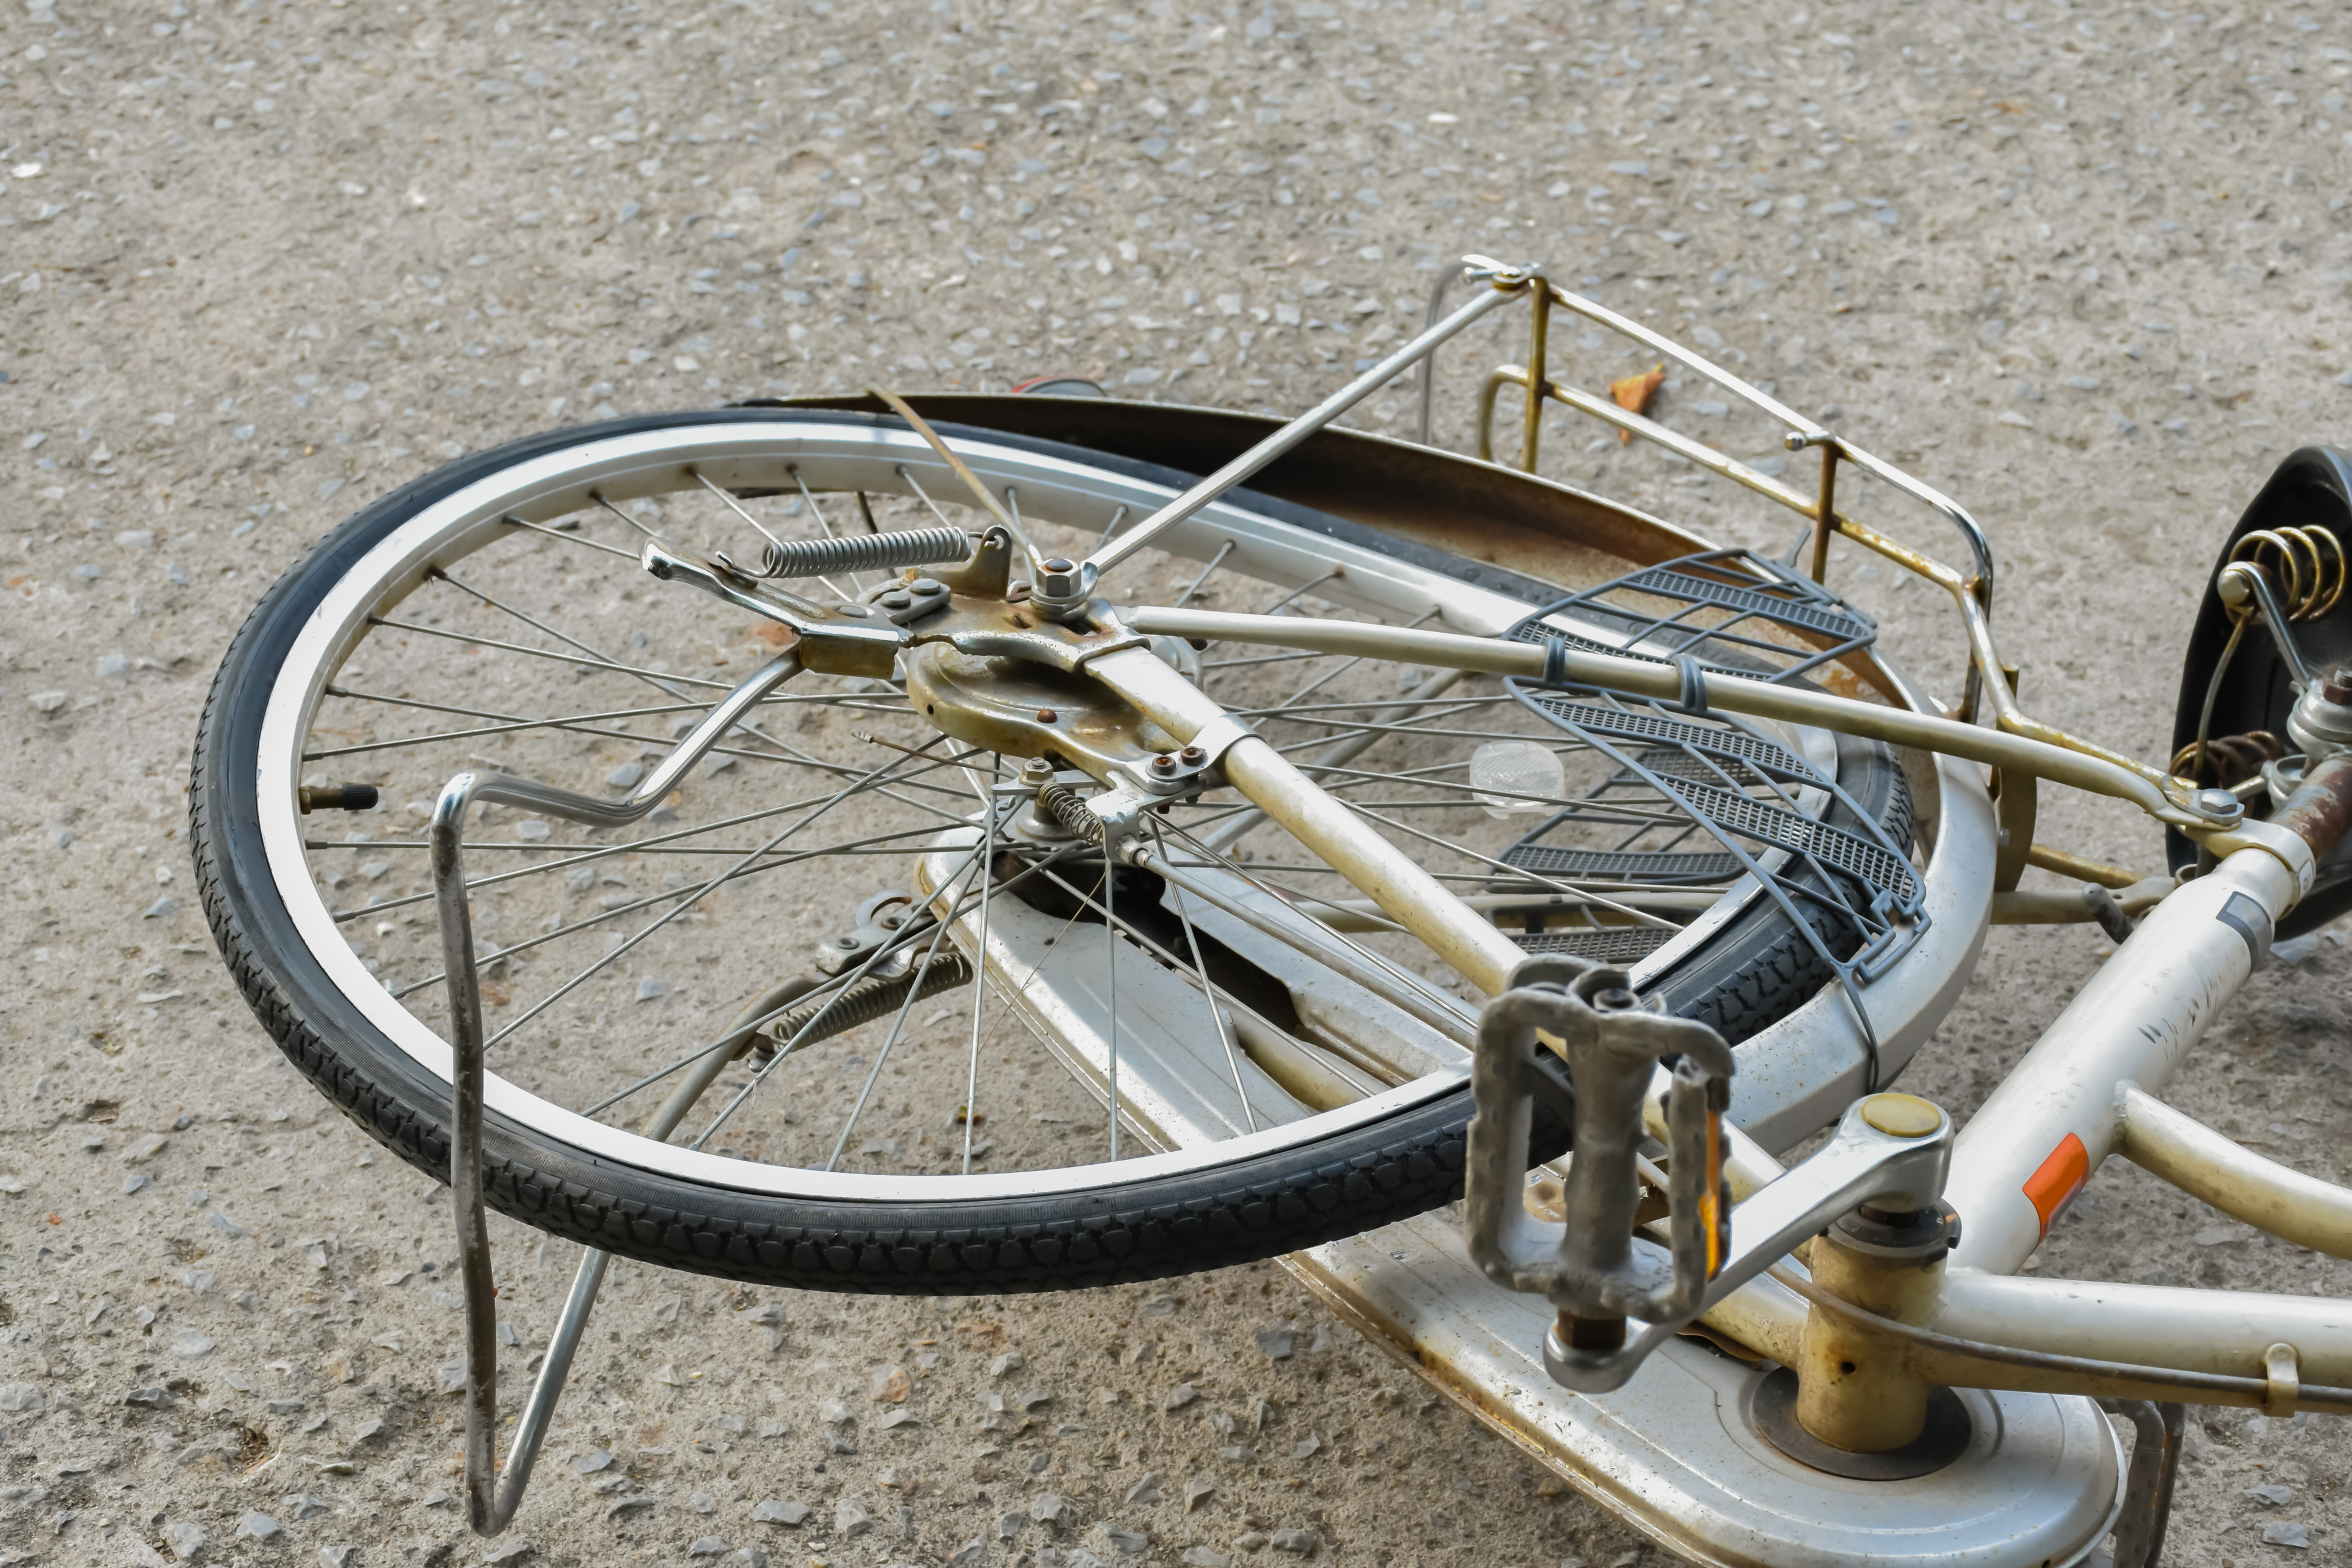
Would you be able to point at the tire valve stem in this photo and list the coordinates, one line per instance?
(336, 798)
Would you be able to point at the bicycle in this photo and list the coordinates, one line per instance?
(1609, 862)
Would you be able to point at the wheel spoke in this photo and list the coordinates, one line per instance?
(1208, 990)
(979, 966)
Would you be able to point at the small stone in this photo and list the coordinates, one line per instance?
(1145, 1490)
(335, 1556)
(2280, 1533)
(1031, 1398)
(1204, 1557)
(1046, 1508)
(773, 1429)
(137, 1181)
(971, 1552)
(1302, 1542)
(850, 1519)
(10, 1183)
(1181, 1396)
(707, 1546)
(832, 1412)
(451, 1376)
(25, 1397)
(2277, 1496)
(1276, 1341)
(46, 702)
(1306, 1447)
(589, 1463)
(302, 1505)
(890, 1383)
(649, 987)
(161, 908)
(752, 1557)
(150, 1398)
(113, 667)
(1161, 1306)
(259, 1526)
(1130, 1542)
(900, 1418)
(627, 1505)
(513, 1548)
(1238, 1454)
(1197, 1492)
(191, 1343)
(531, 830)
(188, 1542)
(1009, 1526)
(438, 1498)
(669, 1376)
(1010, 1361)
(626, 776)
(1253, 1541)
(774, 1510)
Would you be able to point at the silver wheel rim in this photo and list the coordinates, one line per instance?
(829, 457)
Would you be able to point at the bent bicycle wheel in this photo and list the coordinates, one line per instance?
(961, 1057)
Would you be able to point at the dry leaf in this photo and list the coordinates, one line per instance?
(1633, 393)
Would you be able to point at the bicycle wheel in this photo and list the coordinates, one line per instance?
(944, 993)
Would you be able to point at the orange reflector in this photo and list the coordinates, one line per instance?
(2062, 1176)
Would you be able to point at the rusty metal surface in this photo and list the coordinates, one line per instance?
(2320, 809)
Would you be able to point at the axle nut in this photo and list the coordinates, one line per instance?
(1902, 1116)
(1162, 764)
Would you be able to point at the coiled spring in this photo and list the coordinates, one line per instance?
(864, 552)
(2308, 564)
(1062, 803)
(2233, 758)
(861, 1003)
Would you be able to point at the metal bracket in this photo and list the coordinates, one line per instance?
(2148, 1494)
(847, 639)
(2284, 845)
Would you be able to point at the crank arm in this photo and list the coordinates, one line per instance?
(1874, 1158)
(845, 639)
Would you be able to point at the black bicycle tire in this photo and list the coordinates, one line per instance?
(1277, 1202)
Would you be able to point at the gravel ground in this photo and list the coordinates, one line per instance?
(2083, 266)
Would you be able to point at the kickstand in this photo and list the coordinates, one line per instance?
(2148, 1494)
(489, 1505)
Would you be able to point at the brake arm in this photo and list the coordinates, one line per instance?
(843, 639)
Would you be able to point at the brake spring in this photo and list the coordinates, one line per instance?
(1063, 804)
(2308, 563)
(863, 1003)
(2235, 758)
(864, 552)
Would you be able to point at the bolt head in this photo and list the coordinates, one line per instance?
(1163, 764)
(1616, 999)
(2217, 803)
(2336, 685)
(1195, 754)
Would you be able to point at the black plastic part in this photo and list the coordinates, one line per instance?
(2313, 489)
